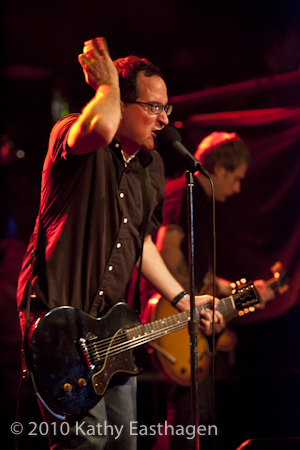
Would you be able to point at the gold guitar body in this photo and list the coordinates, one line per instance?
(173, 350)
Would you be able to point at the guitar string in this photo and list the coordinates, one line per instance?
(97, 347)
(103, 342)
(182, 315)
(132, 343)
(107, 353)
(129, 344)
(100, 348)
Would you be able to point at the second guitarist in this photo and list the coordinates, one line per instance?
(226, 158)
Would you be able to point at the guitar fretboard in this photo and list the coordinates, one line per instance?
(126, 339)
(154, 330)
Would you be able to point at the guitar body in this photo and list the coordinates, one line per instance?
(73, 356)
(177, 345)
(59, 365)
(173, 351)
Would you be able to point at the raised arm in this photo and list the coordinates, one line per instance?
(100, 118)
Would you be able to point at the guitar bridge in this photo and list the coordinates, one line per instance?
(85, 352)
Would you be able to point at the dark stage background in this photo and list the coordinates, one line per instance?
(229, 66)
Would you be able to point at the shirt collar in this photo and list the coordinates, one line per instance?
(142, 157)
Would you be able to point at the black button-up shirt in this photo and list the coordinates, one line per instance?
(90, 218)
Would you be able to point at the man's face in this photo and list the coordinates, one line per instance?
(227, 183)
(138, 124)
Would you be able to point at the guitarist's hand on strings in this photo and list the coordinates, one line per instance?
(205, 323)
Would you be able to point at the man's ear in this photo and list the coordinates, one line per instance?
(219, 170)
(122, 107)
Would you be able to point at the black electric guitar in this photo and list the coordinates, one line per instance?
(73, 356)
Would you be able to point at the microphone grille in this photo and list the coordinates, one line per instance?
(168, 135)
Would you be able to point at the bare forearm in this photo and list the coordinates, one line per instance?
(168, 243)
(157, 273)
(98, 122)
(100, 118)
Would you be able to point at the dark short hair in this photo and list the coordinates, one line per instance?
(225, 149)
(128, 69)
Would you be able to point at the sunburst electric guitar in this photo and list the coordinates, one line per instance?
(173, 351)
(73, 356)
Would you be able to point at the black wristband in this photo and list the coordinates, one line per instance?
(178, 298)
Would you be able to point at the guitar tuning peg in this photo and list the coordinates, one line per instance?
(233, 288)
(277, 267)
(283, 289)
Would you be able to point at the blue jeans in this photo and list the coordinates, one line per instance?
(106, 425)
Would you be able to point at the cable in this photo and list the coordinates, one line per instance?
(214, 258)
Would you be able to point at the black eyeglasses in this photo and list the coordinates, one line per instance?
(157, 107)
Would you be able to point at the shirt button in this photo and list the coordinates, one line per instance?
(119, 245)
(117, 145)
(125, 220)
(100, 293)
(122, 194)
(110, 268)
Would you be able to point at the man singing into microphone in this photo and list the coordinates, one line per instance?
(88, 232)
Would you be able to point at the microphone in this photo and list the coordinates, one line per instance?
(170, 138)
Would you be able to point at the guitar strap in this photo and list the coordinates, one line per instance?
(25, 369)
(146, 195)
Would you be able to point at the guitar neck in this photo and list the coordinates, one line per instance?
(153, 330)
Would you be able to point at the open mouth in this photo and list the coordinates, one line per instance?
(154, 138)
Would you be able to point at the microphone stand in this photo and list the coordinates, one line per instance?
(194, 165)
(171, 138)
(193, 323)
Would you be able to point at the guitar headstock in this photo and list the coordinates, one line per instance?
(245, 296)
(280, 280)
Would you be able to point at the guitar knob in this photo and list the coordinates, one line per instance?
(82, 382)
(67, 387)
(251, 309)
(243, 280)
